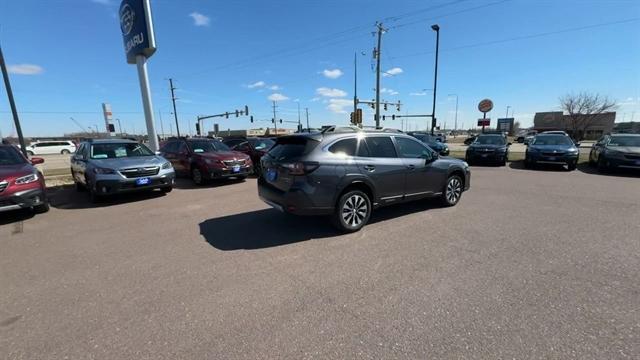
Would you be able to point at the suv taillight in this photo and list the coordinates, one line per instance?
(301, 168)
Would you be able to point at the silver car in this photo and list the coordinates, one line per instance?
(110, 166)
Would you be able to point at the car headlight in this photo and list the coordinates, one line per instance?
(166, 165)
(532, 149)
(103, 171)
(504, 149)
(27, 179)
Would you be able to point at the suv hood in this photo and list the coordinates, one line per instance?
(224, 155)
(553, 147)
(625, 149)
(14, 171)
(123, 163)
(487, 146)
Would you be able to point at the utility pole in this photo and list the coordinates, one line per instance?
(377, 53)
(161, 124)
(355, 82)
(119, 126)
(173, 99)
(455, 125)
(506, 116)
(299, 123)
(307, 111)
(435, 28)
(275, 121)
(12, 103)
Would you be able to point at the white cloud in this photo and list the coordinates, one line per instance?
(389, 91)
(421, 93)
(327, 92)
(393, 71)
(332, 74)
(200, 19)
(274, 87)
(257, 84)
(277, 97)
(25, 69)
(338, 105)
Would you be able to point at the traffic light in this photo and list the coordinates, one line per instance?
(352, 118)
(246, 110)
(385, 106)
(251, 118)
(398, 106)
(198, 128)
(384, 117)
(359, 116)
(280, 121)
(226, 115)
(393, 117)
(237, 113)
(112, 128)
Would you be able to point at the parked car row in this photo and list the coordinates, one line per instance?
(616, 151)
(21, 184)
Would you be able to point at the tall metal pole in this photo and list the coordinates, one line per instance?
(436, 28)
(275, 121)
(506, 116)
(299, 123)
(175, 113)
(119, 126)
(161, 124)
(380, 30)
(355, 83)
(12, 103)
(141, 62)
(307, 111)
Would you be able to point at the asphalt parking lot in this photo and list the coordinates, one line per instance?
(530, 264)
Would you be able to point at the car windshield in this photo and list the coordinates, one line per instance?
(9, 156)
(427, 139)
(625, 141)
(490, 140)
(208, 146)
(261, 144)
(552, 140)
(119, 150)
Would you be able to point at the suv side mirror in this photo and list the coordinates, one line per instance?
(577, 144)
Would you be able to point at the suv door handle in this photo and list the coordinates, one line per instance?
(369, 167)
(411, 167)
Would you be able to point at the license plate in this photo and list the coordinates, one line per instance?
(272, 174)
(552, 158)
(235, 168)
(143, 181)
(485, 155)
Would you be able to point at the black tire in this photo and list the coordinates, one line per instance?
(352, 212)
(602, 165)
(591, 162)
(94, 198)
(80, 187)
(65, 152)
(166, 189)
(572, 165)
(452, 191)
(196, 176)
(42, 208)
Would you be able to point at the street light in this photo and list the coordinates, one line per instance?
(119, 126)
(435, 28)
(508, 107)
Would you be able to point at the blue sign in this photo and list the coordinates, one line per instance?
(137, 29)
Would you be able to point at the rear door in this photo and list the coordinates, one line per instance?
(379, 161)
(421, 178)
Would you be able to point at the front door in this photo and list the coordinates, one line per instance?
(422, 179)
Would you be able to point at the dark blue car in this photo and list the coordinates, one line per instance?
(552, 149)
(432, 141)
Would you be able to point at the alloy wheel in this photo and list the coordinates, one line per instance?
(354, 210)
(454, 190)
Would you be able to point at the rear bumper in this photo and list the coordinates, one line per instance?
(295, 201)
(109, 187)
(22, 200)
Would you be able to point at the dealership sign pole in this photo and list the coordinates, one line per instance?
(485, 106)
(139, 44)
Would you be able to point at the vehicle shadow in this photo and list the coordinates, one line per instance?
(585, 168)
(16, 216)
(68, 198)
(519, 165)
(267, 228)
(184, 183)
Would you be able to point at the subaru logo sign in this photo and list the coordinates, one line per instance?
(127, 17)
(136, 25)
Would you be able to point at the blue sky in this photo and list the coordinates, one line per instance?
(67, 57)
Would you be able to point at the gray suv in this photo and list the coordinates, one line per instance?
(347, 173)
(110, 166)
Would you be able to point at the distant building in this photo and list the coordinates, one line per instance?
(556, 120)
(629, 127)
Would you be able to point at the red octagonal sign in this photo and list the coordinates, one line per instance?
(485, 105)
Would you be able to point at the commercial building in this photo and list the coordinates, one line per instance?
(629, 127)
(555, 120)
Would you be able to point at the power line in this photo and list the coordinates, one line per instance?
(523, 37)
(448, 14)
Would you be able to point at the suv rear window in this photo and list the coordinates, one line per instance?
(292, 147)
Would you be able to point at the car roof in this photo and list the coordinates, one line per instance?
(111, 141)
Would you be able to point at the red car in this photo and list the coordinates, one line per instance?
(255, 147)
(205, 159)
(21, 184)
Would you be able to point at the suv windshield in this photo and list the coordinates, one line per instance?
(427, 139)
(625, 141)
(9, 156)
(551, 140)
(490, 140)
(119, 150)
(262, 144)
(207, 146)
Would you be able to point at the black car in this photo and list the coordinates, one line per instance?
(488, 148)
(616, 151)
(348, 174)
(431, 141)
(551, 148)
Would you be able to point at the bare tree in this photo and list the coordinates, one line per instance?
(583, 109)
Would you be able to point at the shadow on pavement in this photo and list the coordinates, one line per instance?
(270, 228)
(184, 183)
(585, 168)
(68, 198)
(16, 216)
(519, 165)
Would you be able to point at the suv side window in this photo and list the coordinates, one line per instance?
(412, 149)
(346, 147)
(381, 147)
